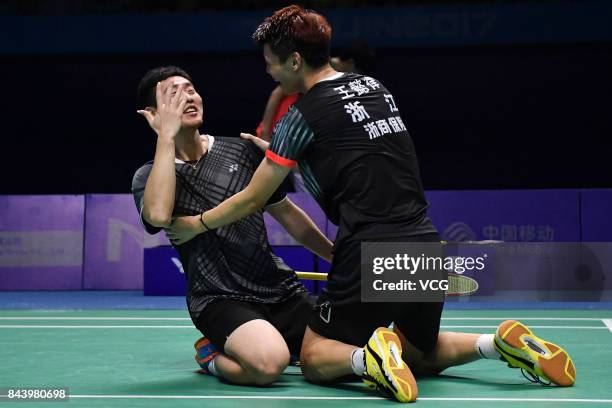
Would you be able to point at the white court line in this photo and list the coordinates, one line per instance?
(530, 326)
(526, 318)
(280, 397)
(117, 318)
(33, 326)
(94, 318)
(37, 326)
(608, 323)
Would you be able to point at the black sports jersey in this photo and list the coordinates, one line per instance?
(356, 158)
(234, 261)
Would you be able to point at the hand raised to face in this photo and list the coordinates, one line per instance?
(171, 98)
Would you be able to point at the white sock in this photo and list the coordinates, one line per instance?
(358, 362)
(484, 347)
(211, 367)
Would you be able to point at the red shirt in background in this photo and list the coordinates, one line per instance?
(283, 107)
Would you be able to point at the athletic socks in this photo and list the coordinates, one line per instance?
(211, 367)
(358, 362)
(484, 347)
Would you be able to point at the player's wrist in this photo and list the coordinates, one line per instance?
(202, 224)
(167, 134)
(166, 140)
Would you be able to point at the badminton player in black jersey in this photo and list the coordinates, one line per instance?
(358, 161)
(251, 307)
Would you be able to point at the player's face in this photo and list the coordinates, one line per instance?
(281, 71)
(193, 114)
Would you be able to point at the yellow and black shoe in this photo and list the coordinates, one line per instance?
(544, 362)
(385, 369)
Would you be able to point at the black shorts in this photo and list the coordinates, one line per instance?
(220, 318)
(340, 314)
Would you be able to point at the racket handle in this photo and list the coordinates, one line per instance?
(319, 276)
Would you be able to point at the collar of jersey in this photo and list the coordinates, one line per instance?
(211, 142)
(332, 77)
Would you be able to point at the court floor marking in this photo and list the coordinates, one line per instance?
(93, 318)
(288, 397)
(590, 319)
(38, 326)
(608, 323)
(33, 326)
(530, 326)
(119, 318)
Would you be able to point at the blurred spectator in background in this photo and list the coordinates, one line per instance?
(278, 104)
(358, 58)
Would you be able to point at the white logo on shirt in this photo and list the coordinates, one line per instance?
(233, 168)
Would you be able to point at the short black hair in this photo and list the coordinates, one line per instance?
(294, 29)
(145, 95)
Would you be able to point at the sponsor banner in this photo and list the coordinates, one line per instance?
(559, 271)
(506, 215)
(43, 246)
(164, 274)
(595, 215)
(41, 249)
(594, 273)
(498, 215)
(114, 243)
(41, 242)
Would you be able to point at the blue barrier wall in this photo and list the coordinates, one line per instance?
(96, 241)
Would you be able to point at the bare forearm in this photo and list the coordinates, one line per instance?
(234, 208)
(302, 228)
(265, 181)
(186, 228)
(321, 247)
(158, 202)
(305, 232)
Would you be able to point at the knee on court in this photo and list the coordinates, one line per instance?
(312, 374)
(308, 360)
(308, 370)
(266, 367)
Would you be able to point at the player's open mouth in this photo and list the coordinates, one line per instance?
(190, 110)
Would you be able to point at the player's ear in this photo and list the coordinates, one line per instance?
(295, 60)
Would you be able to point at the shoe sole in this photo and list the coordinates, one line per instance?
(543, 358)
(402, 383)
